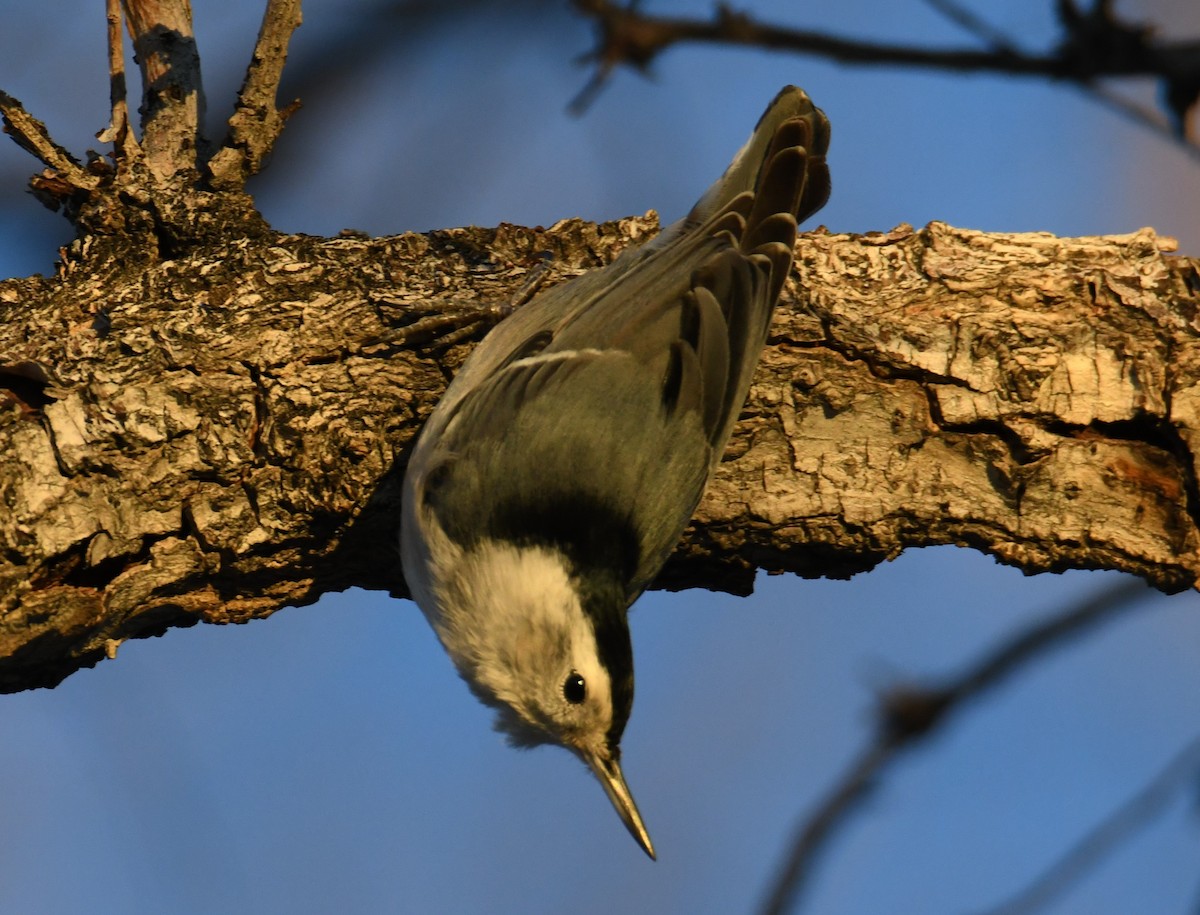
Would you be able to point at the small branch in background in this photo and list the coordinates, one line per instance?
(1134, 814)
(909, 713)
(1094, 45)
(973, 25)
(1142, 117)
(256, 123)
(1182, 93)
(629, 37)
(1099, 44)
(851, 790)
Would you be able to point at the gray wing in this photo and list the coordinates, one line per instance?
(559, 438)
(707, 284)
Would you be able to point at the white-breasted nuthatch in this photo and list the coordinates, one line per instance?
(565, 459)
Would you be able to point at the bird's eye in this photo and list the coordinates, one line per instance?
(574, 688)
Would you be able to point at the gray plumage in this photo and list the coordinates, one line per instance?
(567, 456)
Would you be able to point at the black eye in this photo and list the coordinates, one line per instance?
(574, 688)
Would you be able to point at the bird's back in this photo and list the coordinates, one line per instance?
(597, 411)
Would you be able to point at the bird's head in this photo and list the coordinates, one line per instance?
(549, 649)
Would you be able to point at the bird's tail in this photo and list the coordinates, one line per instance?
(777, 179)
(791, 121)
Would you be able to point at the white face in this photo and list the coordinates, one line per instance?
(511, 620)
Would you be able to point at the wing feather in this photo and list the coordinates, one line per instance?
(621, 387)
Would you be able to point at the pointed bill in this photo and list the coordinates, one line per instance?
(608, 771)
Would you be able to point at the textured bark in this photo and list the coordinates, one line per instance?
(219, 435)
(173, 95)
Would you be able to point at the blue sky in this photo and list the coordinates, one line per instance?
(329, 758)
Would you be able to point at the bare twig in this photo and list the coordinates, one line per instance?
(256, 123)
(1138, 115)
(628, 36)
(31, 135)
(1135, 813)
(118, 133)
(64, 182)
(1094, 47)
(281, 19)
(850, 791)
(632, 38)
(908, 713)
(974, 25)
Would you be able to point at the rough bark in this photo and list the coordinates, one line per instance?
(219, 435)
(201, 419)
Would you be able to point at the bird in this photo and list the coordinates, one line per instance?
(562, 464)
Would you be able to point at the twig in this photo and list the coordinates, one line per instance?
(256, 123)
(31, 135)
(851, 790)
(630, 37)
(909, 713)
(1106, 98)
(1138, 115)
(280, 20)
(117, 133)
(974, 25)
(1120, 824)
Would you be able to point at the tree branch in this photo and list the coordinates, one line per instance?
(635, 38)
(973, 24)
(118, 132)
(909, 714)
(1135, 813)
(256, 123)
(156, 203)
(1094, 45)
(219, 435)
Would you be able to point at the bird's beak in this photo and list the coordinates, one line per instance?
(608, 771)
